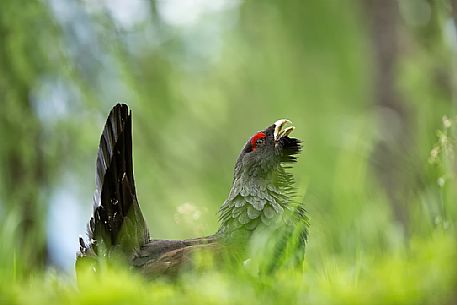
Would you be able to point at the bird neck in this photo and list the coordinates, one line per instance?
(255, 201)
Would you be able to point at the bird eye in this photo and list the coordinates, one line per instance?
(257, 139)
(260, 141)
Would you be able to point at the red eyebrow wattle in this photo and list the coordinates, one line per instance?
(259, 135)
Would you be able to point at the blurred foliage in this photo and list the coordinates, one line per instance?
(396, 278)
(198, 88)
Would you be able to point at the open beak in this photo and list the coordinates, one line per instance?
(280, 130)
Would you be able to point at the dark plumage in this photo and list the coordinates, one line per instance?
(117, 219)
(262, 195)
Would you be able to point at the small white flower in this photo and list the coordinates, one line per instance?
(447, 123)
(441, 181)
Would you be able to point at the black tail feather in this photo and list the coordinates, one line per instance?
(117, 220)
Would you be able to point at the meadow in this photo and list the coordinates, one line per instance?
(370, 86)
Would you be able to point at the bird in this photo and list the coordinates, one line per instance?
(261, 197)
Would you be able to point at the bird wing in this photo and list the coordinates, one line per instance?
(170, 256)
(117, 221)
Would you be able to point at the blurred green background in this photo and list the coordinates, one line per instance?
(369, 84)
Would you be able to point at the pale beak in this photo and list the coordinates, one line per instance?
(280, 131)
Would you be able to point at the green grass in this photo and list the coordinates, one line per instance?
(422, 273)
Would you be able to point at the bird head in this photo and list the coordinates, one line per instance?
(261, 186)
(266, 150)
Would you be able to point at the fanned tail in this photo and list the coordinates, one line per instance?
(117, 221)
